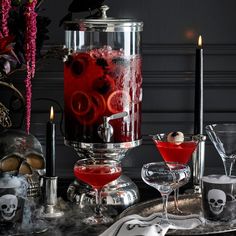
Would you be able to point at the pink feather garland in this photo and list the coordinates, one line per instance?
(30, 55)
(6, 6)
(30, 47)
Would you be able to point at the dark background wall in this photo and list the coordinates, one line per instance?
(171, 28)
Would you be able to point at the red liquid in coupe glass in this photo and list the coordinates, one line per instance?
(180, 153)
(97, 175)
(98, 83)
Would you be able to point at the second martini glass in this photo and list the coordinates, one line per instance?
(176, 147)
(223, 136)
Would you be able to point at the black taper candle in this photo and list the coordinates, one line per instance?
(50, 146)
(198, 108)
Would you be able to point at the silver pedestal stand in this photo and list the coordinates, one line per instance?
(120, 193)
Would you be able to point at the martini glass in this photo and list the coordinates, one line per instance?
(223, 136)
(163, 176)
(97, 172)
(178, 152)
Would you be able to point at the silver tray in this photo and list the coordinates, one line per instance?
(188, 204)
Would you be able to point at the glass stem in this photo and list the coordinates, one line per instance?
(164, 212)
(98, 211)
(176, 196)
(228, 165)
(176, 202)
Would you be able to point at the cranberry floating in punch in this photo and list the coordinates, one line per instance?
(103, 95)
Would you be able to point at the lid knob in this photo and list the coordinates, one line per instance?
(104, 9)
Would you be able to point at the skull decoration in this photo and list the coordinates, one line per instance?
(22, 153)
(216, 200)
(8, 206)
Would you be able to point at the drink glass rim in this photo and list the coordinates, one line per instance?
(188, 136)
(163, 163)
(210, 127)
(216, 179)
(85, 161)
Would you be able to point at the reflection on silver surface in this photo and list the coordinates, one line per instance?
(188, 204)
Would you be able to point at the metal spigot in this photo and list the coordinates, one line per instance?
(105, 130)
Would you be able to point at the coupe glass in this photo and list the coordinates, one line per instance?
(165, 176)
(97, 172)
(179, 152)
(223, 136)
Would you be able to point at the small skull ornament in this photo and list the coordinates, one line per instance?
(8, 206)
(22, 153)
(216, 200)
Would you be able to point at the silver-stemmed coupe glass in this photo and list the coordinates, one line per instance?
(165, 177)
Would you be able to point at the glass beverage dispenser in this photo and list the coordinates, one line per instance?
(103, 86)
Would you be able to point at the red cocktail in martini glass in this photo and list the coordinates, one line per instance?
(97, 172)
(176, 147)
(172, 152)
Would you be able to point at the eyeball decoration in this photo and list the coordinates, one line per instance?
(176, 137)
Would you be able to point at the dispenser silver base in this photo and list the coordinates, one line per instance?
(119, 194)
(115, 151)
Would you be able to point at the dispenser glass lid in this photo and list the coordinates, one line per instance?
(105, 24)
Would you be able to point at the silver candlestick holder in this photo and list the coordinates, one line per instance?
(198, 159)
(50, 208)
